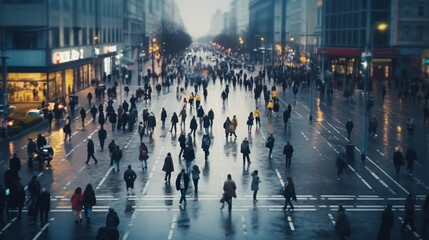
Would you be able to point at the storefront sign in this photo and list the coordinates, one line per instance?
(109, 49)
(97, 51)
(67, 56)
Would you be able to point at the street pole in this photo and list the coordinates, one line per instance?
(153, 60)
(365, 83)
(311, 90)
(5, 99)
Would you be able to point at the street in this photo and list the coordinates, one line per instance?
(152, 211)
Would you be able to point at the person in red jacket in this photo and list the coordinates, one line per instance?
(77, 204)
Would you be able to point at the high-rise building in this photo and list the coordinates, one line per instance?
(56, 47)
(216, 23)
(242, 15)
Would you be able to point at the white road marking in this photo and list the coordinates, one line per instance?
(381, 181)
(173, 225)
(280, 177)
(292, 227)
(243, 224)
(8, 225)
(359, 176)
(331, 218)
(104, 178)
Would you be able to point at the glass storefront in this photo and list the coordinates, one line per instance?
(27, 87)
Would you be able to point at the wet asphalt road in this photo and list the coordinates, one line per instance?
(152, 211)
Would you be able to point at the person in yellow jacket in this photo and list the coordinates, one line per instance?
(191, 99)
(257, 116)
(270, 107)
(274, 95)
(197, 101)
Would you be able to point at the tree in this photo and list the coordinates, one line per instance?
(172, 38)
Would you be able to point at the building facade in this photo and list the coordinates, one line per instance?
(57, 47)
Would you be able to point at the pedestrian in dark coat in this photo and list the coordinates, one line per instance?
(195, 177)
(250, 122)
(226, 126)
(182, 142)
(289, 193)
(286, 117)
(189, 156)
(288, 151)
(255, 184)
(342, 224)
(270, 144)
(15, 165)
(205, 145)
(129, 178)
(211, 117)
(349, 128)
(151, 124)
(168, 167)
(112, 222)
(193, 126)
(43, 203)
(182, 183)
(229, 188)
(18, 197)
(89, 200)
(83, 116)
(410, 156)
(90, 150)
(200, 113)
(183, 116)
(116, 158)
(410, 203)
(206, 123)
(398, 159)
(386, 224)
(163, 117)
(34, 190)
(341, 164)
(93, 111)
(174, 121)
(245, 150)
(102, 135)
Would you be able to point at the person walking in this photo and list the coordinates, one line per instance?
(112, 223)
(229, 189)
(15, 165)
(67, 129)
(211, 117)
(182, 182)
(83, 116)
(89, 97)
(90, 150)
(349, 128)
(151, 124)
(226, 126)
(289, 193)
(182, 142)
(398, 159)
(102, 135)
(183, 117)
(206, 124)
(174, 121)
(89, 201)
(43, 203)
(129, 178)
(141, 131)
(286, 117)
(163, 117)
(189, 156)
(93, 111)
(116, 158)
(255, 184)
(143, 155)
(257, 115)
(341, 164)
(411, 126)
(288, 151)
(270, 144)
(77, 204)
(34, 190)
(386, 224)
(409, 212)
(18, 196)
(195, 177)
(250, 122)
(205, 145)
(233, 126)
(193, 126)
(245, 150)
(342, 224)
(200, 114)
(410, 156)
(270, 107)
(168, 167)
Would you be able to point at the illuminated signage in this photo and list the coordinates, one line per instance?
(67, 56)
(426, 61)
(109, 49)
(97, 51)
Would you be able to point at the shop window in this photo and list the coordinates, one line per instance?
(27, 87)
(386, 71)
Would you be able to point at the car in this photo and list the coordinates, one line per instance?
(35, 113)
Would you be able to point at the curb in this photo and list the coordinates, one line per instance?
(24, 132)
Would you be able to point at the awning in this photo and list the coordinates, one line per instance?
(127, 61)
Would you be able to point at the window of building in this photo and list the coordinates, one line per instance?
(419, 33)
(84, 36)
(91, 36)
(104, 36)
(66, 35)
(55, 37)
(421, 11)
(24, 40)
(405, 32)
(407, 11)
(76, 41)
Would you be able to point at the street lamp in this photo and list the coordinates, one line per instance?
(366, 57)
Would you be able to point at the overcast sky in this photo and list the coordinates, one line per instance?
(196, 14)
